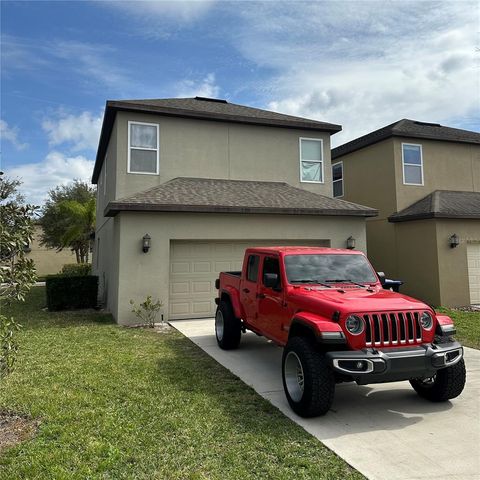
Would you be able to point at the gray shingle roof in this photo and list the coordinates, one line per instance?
(204, 109)
(408, 128)
(441, 204)
(206, 195)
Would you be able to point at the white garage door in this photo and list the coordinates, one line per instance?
(195, 265)
(473, 260)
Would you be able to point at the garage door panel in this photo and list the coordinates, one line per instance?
(195, 265)
(473, 261)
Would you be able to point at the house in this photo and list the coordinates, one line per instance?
(424, 179)
(185, 185)
(47, 261)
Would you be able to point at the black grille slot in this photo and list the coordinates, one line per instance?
(401, 320)
(386, 333)
(418, 328)
(411, 331)
(376, 328)
(368, 330)
(393, 323)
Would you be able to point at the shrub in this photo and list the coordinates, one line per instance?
(147, 311)
(76, 269)
(71, 292)
(8, 344)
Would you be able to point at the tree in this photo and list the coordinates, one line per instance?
(17, 273)
(61, 219)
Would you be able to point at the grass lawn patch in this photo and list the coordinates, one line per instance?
(467, 325)
(117, 403)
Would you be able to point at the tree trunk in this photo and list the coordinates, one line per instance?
(77, 255)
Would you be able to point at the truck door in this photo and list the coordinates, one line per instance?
(248, 288)
(270, 304)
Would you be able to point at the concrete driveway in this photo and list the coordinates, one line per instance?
(384, 431)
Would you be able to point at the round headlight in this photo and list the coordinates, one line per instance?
(426, 320)
(354, 324)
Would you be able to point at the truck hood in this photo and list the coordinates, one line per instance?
(359, 300)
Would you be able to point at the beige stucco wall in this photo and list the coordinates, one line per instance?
(446, 166)
(142, 274)
(47, 260)
(208, 149)
(454, 288)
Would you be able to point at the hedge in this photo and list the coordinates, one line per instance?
(76, 269)
(71, 292)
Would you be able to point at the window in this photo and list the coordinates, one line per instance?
(337, 176)
(412, 164)
(271, 265)
(311, 160)
(143, 148)
(252, 268)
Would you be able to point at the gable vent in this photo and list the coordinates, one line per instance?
(206, 99)
(428, 124)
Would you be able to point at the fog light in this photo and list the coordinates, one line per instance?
(359, 365)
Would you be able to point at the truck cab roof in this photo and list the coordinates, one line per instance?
(294, 250)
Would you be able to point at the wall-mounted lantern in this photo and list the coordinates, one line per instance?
(146, 243)
(350, 243)
(454, 241)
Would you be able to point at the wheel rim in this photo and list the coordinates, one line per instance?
(428, 382)
(219, 325)
(294, 376)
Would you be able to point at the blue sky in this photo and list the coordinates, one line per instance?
(360, 64)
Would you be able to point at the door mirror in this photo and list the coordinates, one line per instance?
(381, 277)
(270, 280)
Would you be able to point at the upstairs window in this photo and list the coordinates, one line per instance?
(311, 160)
(412, 164)
(337, 176)
(143, 148)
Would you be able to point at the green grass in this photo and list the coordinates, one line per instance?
(467, 325)
(119, 403)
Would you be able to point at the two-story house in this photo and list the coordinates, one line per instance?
(424, 179)
(185, 185)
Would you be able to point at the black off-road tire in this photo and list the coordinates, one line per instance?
(447, 383)
(318, 378)
(228, 328)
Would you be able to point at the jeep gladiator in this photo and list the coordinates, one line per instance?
(337, 323)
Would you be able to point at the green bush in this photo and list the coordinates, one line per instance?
(76, 269)
(71, 292)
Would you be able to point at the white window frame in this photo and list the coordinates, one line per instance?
(341, 180)
(413, 164)
(157, 150)
(322, 162)
(105, 175)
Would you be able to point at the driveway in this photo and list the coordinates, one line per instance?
(384, 431)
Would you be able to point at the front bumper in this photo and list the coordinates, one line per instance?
(395, 364)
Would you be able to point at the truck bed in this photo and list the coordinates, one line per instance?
(230, 279)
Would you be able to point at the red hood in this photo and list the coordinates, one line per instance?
(356, 299)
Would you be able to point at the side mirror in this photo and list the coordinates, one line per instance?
(270, 280)
(381, 277)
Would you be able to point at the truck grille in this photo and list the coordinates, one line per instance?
(397, 328)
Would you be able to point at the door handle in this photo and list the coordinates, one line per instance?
(246, 290)
(261, 295)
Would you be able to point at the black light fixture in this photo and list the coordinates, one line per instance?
(350, 243)
(454, 241)
(146, 243)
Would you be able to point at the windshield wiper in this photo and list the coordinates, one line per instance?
(344, 280)
(309, 280)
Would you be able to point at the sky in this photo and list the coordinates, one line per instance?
(361, 64)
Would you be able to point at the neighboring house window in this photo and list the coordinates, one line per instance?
(412, 164)
(143, 148)
(311, 160)
(105, 175)
(252, 268)
(337, 176)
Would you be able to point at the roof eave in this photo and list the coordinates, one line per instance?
(425, 216)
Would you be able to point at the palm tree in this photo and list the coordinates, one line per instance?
(81, 220)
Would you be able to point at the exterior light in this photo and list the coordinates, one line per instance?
(350, 243)
(146, 243)
(454, 241)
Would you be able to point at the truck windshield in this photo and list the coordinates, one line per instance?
(328, 269)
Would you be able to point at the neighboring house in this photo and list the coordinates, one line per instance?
(200, 180)
(424, 179)
(47, 260)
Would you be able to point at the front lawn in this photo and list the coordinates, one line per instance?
(467, 325)
(117, 403)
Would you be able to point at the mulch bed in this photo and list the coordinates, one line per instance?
(15, 428)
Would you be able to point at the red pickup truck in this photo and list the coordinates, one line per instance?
(328, 309)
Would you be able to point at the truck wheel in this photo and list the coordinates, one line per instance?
(308, 381)
(228, 328)
(447, 383)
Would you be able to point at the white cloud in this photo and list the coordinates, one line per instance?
(206, 87)
(10, 134)
(365, 65)
(81, 131)
(55, 169)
